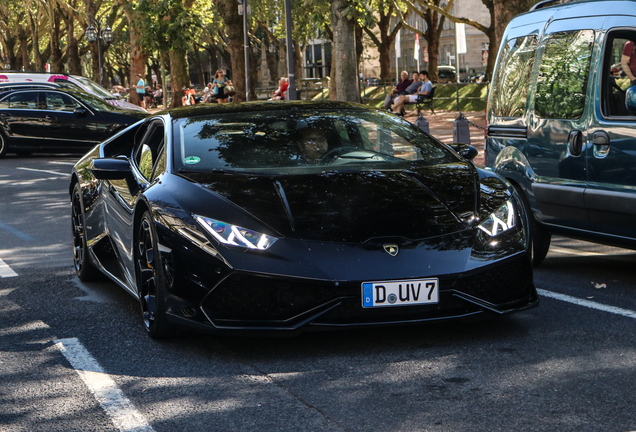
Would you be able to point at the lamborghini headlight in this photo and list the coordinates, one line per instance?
(234, 235)
(503, 219)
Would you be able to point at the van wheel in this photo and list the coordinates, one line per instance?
(540, 238)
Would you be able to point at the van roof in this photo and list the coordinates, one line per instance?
(562, 9)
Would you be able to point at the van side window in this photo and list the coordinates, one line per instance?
(509, 96)
(563, 74)
(620, 52)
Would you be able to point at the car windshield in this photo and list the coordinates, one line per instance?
(289, 142)
(95, 88)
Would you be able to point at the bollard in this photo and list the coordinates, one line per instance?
(461, 131)
(422, 123)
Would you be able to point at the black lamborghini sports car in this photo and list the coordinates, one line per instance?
(289, 216)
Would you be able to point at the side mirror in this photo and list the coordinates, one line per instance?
(630, 99)
(111, 169)
(80, 111)
(465, 150)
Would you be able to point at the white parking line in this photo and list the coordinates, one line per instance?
(569, 251)
(44, 171)
(6, 271)
(121, 411)
(587, 303)
(62, 163)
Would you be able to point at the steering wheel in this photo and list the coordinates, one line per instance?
(332, 154)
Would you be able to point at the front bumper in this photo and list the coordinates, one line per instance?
(253, 302)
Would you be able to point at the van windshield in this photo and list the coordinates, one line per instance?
(512, 77)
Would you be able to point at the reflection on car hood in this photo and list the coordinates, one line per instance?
(355, 206)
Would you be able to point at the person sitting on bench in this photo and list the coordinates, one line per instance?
(400, 89)
(422, 92)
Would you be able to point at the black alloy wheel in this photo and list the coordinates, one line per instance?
(151, 280)
(3, 146)
(84, 269)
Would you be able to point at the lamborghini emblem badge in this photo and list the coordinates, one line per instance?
(391, 249)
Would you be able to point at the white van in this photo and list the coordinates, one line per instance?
(81, 82)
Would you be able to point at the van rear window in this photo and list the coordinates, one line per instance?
(509, 94)
(563, 74)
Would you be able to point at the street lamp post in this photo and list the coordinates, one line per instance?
(97, 35)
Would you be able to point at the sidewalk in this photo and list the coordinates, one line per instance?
(441, 127)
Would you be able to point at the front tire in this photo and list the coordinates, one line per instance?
(3, 146)
(151, 284)
(84, 269)
(539, 237)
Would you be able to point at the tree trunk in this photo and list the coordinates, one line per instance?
(9, 50)
(385, 62)
(74, 62)
(155, 66)
(432, 41)
(344, 53)
(179, 75)
(492, 54)
(359, 44)
(121, 74)
(138, 56)
(299, 61)
(23, 37)
(35, 36)
(56, 53)
(196, 57)
(270, 56)
(228, 9)
(333, 88)
(434, 26)
(282, 61)
(255, 59)
(213, 60)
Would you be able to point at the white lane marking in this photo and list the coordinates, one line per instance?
(44, 171)
(588, 304)
(574, 251)
(6, 271)
(121, 411)
(62, 163)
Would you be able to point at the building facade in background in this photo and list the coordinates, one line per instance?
(476, 42)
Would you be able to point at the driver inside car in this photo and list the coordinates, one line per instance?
(313, 144)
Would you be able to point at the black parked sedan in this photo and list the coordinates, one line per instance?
(57, 120)
(280, 217)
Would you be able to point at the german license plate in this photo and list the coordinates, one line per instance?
(400, 293)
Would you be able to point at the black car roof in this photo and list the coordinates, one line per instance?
(28, 84)
(222, 108)
(37, 86)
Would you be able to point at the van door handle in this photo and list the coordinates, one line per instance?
(575, 142)
(601, 141)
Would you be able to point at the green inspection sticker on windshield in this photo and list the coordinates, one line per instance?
(191, 160)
